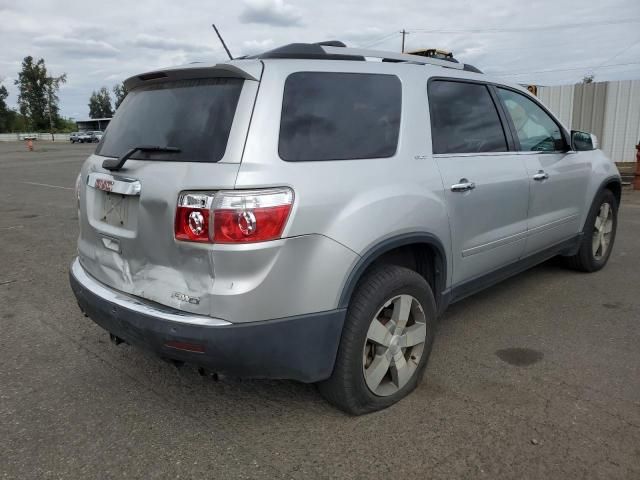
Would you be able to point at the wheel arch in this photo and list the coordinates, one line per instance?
(611, 183)
(425, 247)
(615, 185)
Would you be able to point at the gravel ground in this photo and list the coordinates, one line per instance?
(538, 377)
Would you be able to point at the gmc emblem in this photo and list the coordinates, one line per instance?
(104, 185)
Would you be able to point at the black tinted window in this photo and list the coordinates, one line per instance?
(192, 115)
(464, 118)
(339, 116)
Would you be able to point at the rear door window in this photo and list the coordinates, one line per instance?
(192, 115)
(464, 118)
(339, 116)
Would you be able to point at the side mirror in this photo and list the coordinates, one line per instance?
(582, 141)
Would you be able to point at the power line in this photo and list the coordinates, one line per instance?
(380, 40)
(528, 28)
(562, 69)
(628, 47)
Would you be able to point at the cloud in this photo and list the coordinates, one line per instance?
(251, 47)
(271, 12)
(76, 47)
(102, 49)
(163, 43)
(363, 35)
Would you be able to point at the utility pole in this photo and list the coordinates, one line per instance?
(50, 115)
(404, 33)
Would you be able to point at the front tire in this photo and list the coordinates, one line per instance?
(598, 234)
(386, 341)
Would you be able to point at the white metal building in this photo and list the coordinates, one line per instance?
(609, 110)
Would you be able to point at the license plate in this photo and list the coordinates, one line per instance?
(115, 209)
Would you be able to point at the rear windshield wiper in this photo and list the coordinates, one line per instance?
(117, 163)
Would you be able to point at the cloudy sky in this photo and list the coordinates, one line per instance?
(528, 41)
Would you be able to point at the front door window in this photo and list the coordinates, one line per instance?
(535, 129)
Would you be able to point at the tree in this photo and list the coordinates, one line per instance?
(38, 94)
(588, 79)
(120, 91)
(10, 120)
(53, 85)
(66, 125)
(4, 111)
(100, 104)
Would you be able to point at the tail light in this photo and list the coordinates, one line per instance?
(233, 216)
(193, 217)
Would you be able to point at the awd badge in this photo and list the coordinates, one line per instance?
(186, 298)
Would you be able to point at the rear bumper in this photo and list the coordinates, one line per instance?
(299, 348)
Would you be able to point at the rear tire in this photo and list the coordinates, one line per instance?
(382, 354)
(598, 234)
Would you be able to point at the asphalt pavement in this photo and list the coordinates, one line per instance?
(537, 377)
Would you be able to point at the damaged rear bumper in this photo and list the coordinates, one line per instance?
(299, 348)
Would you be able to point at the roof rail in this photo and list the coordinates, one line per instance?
(308, 51)
(331, 43)
(336, 50)
(391, 56)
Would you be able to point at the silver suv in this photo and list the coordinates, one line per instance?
(96, 136)
(308, 213)
(83, 137)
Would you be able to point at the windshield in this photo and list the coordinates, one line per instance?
(194, 116)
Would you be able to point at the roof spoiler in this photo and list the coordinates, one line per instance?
(250, 71)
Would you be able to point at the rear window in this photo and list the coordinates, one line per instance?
(192, 115)
(339, 116)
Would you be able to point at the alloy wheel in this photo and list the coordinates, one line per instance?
(602, 231)
(394, 345)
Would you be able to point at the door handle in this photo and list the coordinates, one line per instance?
(540, 176)
(464, 186)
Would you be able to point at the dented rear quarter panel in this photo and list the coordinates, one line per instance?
(151, 263)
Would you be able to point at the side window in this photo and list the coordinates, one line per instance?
(535, 129)
(339, 116)
(464, 118)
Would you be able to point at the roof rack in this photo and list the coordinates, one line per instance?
(335, 50)
(434, 53)
(393, 57)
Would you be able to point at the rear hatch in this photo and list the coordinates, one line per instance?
(127, 215)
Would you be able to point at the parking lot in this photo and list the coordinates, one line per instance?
(538, 377)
